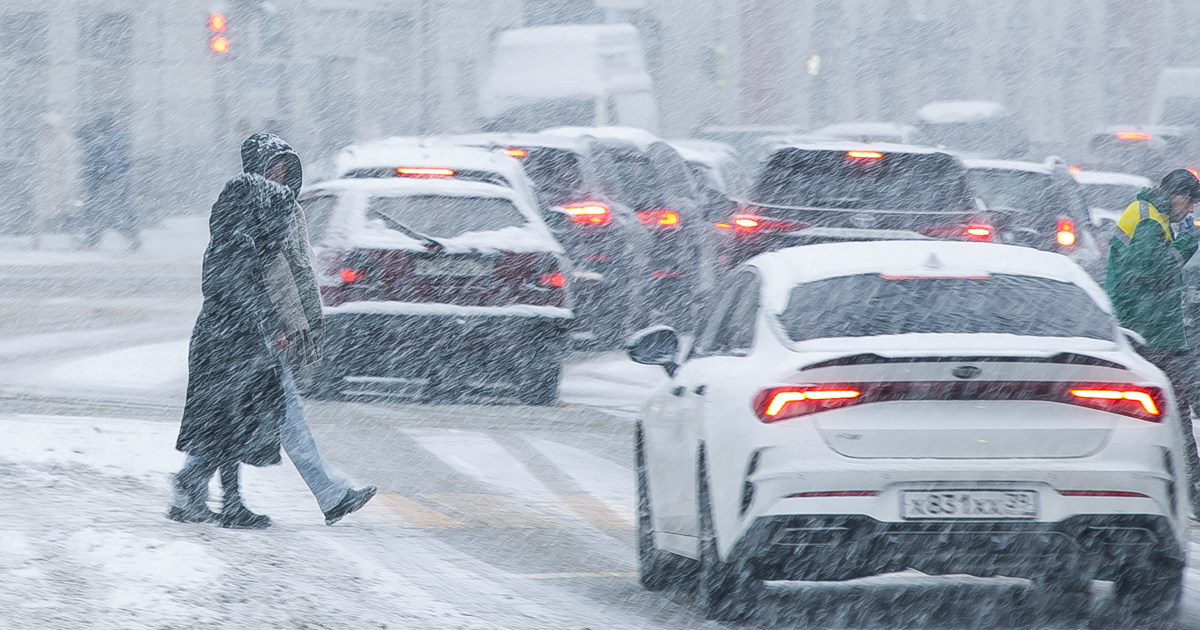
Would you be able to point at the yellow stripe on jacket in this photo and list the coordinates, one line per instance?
(1139, 211)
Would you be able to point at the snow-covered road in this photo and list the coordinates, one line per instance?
(489, 515)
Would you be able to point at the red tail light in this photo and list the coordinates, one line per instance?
(749, 225)
(1103, 493)
(864, 155)
(661, 218)
(1066, 233)
(834, 493)
(1132, 135)
(589, 213)
(424, 172)
(780, 403)
(553, 279)
(971, 232)
(516, 152)
(351, 276)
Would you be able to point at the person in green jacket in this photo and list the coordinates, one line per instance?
(1145, 283)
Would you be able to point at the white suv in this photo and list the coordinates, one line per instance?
(853, 409)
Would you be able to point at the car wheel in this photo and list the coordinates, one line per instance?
(1149, 596)
(539, 385)
(726, 591)
(654, 567)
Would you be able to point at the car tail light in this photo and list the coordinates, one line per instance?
(749, 225)
(351, 276)
(552, 279)
(660, 218)
(404, 171)
(589, 213)
(1141, 403)
(1134, 136)
(970, 232)
(1075, 170)
(516, 152)
(834, 493)
(780, 403)
(864, 155)
(1103, 493)
(1066, 233)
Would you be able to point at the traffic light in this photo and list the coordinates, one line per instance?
(217, 41)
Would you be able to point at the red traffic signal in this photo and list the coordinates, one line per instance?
(217, 42)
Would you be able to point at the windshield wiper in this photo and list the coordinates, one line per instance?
(431, 243)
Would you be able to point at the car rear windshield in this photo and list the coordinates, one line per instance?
(867, 305)
(1035, 193)
(444, 216)
(834, 179)
(1110, 196)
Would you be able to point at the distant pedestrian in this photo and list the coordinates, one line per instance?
(1145, 281)
(54, 177)
(106, 184)
(261, 321)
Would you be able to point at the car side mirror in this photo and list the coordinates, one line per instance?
(1135, 338)
(657, 345)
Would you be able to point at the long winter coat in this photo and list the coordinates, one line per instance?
(235, 402)
(1145, 267)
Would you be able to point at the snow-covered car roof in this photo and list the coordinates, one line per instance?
(638, 137)
(1008, 165)
(811, 143)
(859, 129)
(951, 112)
(347, 227)
(781, 270)
(502, 140)
(425, 153)
(716, 155)
(1087, 178)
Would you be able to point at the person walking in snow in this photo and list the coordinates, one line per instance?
(106, 184)
(261, 322)
(1145, 283)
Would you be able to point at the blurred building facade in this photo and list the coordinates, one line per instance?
(324, 73)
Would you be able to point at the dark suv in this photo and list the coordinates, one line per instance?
(624, 208)
(843, 191)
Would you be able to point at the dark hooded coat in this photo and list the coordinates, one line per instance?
(235, 401)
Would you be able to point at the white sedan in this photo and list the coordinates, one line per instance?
(854, 409)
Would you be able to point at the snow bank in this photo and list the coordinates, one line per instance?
(950, 112)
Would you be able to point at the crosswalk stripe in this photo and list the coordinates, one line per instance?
(594, 511)
(496, 510)
(394, 509)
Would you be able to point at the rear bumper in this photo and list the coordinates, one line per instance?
(840, 547)
(382, 344)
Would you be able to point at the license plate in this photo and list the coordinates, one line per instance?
(454, 267)
(970, 504)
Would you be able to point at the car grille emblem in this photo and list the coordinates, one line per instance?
(966, 371)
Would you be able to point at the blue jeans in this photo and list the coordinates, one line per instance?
(327, 485)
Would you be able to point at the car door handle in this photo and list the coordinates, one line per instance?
(700, 389)
(678, 391)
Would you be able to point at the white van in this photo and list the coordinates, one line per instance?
(1177, 98)
(576, 75)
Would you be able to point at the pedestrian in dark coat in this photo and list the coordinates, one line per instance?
(261, 320)
(105, 179)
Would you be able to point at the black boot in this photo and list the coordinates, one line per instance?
(191, 484)
(352, 502)
(234, 514)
